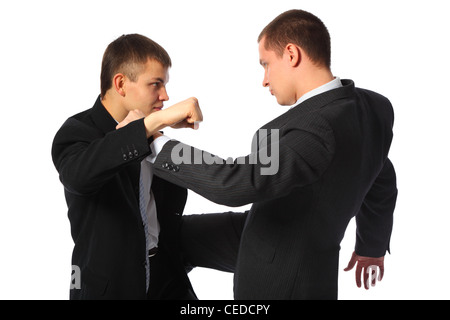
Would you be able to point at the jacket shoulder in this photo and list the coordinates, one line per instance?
(379, 103)
(372, 96)
(80, 123)
(77, 128)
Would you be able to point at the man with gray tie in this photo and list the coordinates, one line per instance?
(124, 220)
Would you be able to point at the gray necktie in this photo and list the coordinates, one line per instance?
(143, 205)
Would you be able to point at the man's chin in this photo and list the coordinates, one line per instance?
(283, 103)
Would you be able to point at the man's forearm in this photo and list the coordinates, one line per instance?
(154, 123)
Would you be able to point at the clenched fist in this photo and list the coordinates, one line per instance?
(185, 114)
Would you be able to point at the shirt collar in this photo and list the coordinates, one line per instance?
(333, 84)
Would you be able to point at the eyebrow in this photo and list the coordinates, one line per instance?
(157, 80)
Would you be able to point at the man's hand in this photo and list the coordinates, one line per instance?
(368, 266)
(185, 114)
(132, 116)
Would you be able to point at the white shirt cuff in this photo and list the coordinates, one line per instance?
(156, 146)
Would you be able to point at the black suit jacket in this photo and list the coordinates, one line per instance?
(333, 165)
(99, 167)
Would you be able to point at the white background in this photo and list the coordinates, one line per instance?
(50, 60)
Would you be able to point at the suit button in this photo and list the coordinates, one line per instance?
(165, 165)
(125, 158)
(130, 155)
(136, 153)
(176, 168)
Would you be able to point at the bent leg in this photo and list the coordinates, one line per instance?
(212, 240)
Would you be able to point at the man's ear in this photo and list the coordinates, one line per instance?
(119, 84)
(294, 54)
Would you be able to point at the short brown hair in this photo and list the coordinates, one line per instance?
(302, 29)
(127, 55)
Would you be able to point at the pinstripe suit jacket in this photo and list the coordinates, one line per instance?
(333, 166)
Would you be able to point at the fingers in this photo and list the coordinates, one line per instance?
(374, 275)
(196, 115)
(367, 268)
(352, 262)
(370, 276)
(185, 124)
(186, 114)
(358, 272)
(380, 277)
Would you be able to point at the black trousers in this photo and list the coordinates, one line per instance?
(166, 283)
(212, 240)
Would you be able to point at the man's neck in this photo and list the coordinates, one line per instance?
(313, 80)
(320, 87)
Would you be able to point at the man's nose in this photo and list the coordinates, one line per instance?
(163, 95)
(265, 81)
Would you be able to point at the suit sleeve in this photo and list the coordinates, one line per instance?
(287, 159)
(375, 219)
(86, 159)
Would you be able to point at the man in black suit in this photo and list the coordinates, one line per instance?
(331, 165)
(124, 221)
